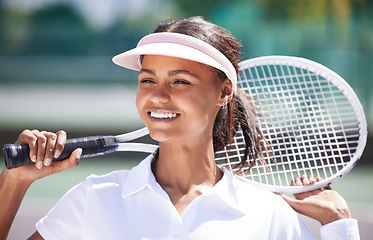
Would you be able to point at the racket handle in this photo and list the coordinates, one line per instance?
(16, 155)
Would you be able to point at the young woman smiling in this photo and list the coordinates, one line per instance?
(188, 99)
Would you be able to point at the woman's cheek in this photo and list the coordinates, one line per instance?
(140, 102)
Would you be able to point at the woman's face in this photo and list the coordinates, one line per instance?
(178, 99)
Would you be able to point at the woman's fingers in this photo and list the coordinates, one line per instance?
(60, 143)
(42, 143)
(44, 146)
(27, 137)
(311, 179)
(43, 138)
(296, 182)
(49, 147)
(304, 180)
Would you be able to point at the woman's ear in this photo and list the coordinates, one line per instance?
(226, 93)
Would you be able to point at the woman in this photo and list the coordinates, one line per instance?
(188, 99)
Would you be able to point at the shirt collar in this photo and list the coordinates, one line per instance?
(226, 189)
(142, 176)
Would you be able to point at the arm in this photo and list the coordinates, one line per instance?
(14, 183)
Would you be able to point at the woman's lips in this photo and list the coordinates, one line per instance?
(162, 116)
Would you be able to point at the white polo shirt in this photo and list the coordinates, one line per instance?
(132, 205)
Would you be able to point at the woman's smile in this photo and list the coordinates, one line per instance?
(162, 116)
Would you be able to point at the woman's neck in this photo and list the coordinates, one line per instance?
(185, 171)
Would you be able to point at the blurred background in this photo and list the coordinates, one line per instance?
(56, 73)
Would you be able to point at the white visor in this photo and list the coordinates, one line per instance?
(180, 46)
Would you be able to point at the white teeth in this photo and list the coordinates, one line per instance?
(162, 115)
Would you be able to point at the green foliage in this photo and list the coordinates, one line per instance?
(198, 7)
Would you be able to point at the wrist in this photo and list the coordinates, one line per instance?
(335, 215)
(12, 190)
(15, 179)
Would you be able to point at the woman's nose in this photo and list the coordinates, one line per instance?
(160, 94)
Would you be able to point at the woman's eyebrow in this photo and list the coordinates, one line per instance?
(142, 70)
(170, 73)
(176, 72)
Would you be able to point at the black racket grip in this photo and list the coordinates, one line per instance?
(16, 155)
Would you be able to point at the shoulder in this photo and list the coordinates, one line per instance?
(246, 191)
(270, 210)
(115, 177)
(68, 215)
(139, 173)
(121, 181)
(251, 198)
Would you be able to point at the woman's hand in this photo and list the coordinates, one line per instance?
(43, 147)
(15, 182)
(325, 205)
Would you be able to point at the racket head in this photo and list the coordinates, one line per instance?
(312, 121)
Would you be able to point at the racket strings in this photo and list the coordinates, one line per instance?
(308, 123)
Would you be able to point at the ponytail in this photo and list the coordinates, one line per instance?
(239, 114)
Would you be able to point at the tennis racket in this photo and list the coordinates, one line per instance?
(16, 155)
(311, 119)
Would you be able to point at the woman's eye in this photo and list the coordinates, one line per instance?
(145, 80)
(181, 82)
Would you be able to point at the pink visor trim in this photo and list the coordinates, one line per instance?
(180, 46)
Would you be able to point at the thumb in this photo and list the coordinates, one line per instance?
(306, 208)
(71, 162)
(294, 203)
